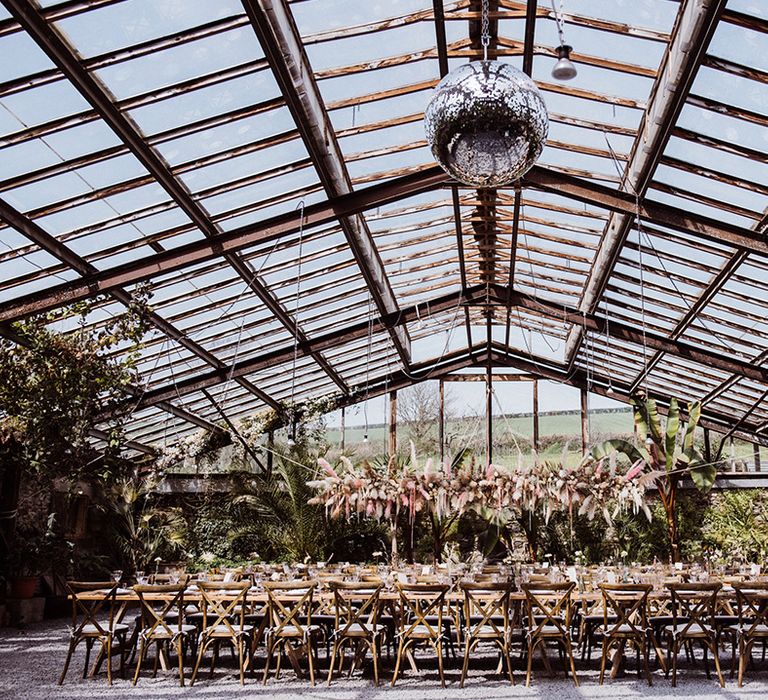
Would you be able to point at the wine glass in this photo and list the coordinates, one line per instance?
(115, 576)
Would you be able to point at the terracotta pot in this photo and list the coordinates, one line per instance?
(24, 586)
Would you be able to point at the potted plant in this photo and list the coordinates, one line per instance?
(32, 554)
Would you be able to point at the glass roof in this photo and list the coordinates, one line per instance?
(136, 136)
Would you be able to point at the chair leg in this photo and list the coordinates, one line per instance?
(310, 661)
(400, 652)
(676, 651)
(705, 649)
(746, 652)
(180, 654)
(270, 649)
(140, 659)
(569, 652)
(439, 650)
(531, 649)
(603, 658)
(505, 652)
(716, 659)
(240, 659)
(70, 651)
(465, 664)
(109, 658)
(88, 646)
(375, 655)
(202, 646)
(333, 662)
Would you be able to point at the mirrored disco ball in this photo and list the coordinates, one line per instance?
(486, 124)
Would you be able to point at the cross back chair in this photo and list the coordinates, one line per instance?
(486, 619)
(223, 620)
(290, 624)
(357, 613)
(89, 628)
(421, 620)
(625, 620)
(752, 606)
(693, 611)
(549, 609)
(162, 624)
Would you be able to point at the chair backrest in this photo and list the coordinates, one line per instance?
(225, 603)
(628, 603)
(693, 604)
(87, 611)
(154, 619)
(484, 603)
(752, 604)
(420, 601)
(290, 604)
(356, 604)
(548, 605)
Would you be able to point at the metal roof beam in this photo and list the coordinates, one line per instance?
(598, 384)
(98, 97)
(333, 339)
(274, 26)
(696, 23)
(632, 334)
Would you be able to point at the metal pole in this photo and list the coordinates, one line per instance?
(441, 420)
(756, 452)
(489, 408)
(342, 429)
(584, 423)
(536, 442)
(393, 422)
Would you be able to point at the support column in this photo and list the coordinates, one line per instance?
(707, 447)
(756, 453)
(536, 441)
(584, 422)
(342, 429)
(441, 420)
(489, 412)
(392, 444)
(270, 451)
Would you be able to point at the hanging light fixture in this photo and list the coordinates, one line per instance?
(487, 122)
(564, 68)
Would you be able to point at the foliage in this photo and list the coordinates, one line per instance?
(665, 453)
(56, 387)
(278, 504)
(140, 529)
(36, 552)
(737, 526)
(304, 420)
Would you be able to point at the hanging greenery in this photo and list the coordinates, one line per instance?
(56, 388)
(447, 490)
(302, 417)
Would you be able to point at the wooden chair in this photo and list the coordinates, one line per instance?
(87, 627)
(421, 620)
(290, 627)
(162, 625)
(693, 611)
(752, 606)
(625, 621)
(223, 620)
(357, 613)
(549, 609)
(486, 619)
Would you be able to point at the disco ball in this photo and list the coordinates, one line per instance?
(486, 124)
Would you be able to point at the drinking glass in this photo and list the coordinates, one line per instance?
(116, 575)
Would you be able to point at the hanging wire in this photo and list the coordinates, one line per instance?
(297, 308)
(559, 21)
(485, 33)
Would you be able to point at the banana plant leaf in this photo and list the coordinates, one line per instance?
(673, 426)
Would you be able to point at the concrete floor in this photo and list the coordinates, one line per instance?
(31, 660)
